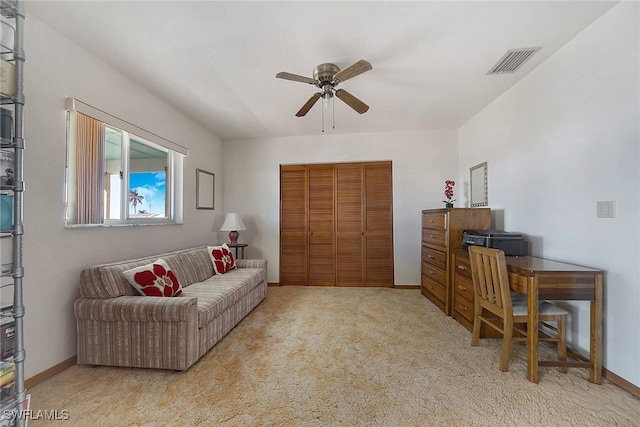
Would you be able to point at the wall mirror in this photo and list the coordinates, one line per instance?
(205, 186)
(479, 185)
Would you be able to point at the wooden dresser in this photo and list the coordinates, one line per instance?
(441, 235)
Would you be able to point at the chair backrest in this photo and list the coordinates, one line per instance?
(491, 280)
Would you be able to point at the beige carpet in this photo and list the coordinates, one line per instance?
(339, 356)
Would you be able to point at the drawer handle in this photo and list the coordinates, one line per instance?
(464, 288)
(433, 221)
(464, 308)
(433, 236)
(462, 267)
(430, 256)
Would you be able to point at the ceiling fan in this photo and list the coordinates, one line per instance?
(326, 77)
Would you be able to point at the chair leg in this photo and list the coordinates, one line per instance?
(562, 343)
(475, 335)
(506, 347)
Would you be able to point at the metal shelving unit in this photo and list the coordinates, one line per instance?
(11, 190)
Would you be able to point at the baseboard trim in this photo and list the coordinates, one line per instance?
(621, 382)
(273, 284)
(615, 379)
(54, 370)
(406, 286)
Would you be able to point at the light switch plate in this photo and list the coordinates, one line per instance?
(606, 209)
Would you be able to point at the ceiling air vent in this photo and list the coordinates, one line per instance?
(513, 60)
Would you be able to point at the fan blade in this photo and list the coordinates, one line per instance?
(295, 78)
(352, 71)
(306, 107)
(352, 101)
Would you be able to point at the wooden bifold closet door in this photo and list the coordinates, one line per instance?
(336, 224)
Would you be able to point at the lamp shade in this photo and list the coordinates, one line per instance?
(232, 222)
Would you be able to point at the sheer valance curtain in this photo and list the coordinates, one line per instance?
(90, 170)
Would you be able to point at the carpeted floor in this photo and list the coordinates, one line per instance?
(339, 356)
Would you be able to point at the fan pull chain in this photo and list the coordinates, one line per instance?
(323, 107)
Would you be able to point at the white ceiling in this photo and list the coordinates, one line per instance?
(216, 61)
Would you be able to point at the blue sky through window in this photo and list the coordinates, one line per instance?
(150, 185)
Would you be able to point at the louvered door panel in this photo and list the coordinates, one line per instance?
(350, 224)
(293, 259)
(321, 225)
(379, 261)
(378, 197)
(349, 186)
(293, 225)
(293, 198)
(349, 256)
(378, 229)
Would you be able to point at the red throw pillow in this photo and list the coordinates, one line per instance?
(154, 280)
(222, 258)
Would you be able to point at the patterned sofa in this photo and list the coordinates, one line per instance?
(118, 327)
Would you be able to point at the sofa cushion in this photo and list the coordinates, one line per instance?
(197, 266)
(154, 280)
(220, 292)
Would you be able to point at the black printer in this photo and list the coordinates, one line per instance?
(512, 244)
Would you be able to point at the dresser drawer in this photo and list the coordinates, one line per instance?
(434, 273)
(434, 220)
(434, 238)
(463, 287)
(434, 288)
(462, 266)
(464, 308)
(435, 257)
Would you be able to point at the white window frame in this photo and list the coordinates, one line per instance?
(174, 178)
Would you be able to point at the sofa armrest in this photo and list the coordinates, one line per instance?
(136, 309)
(252, 263)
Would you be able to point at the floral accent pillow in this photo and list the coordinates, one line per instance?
(154, 280)
(222, 258)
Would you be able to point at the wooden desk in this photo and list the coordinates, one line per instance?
(539, 278)
(238, 245)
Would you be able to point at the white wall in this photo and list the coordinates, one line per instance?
(53, 255)
(422, 161)
(564, 137)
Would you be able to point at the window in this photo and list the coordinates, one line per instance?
(119, 174)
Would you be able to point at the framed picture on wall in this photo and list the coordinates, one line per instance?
(205, 189)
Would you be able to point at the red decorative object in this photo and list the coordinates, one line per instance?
(448, 193)
(222, 258)
(154, 280)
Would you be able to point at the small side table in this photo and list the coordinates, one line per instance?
(238, 245)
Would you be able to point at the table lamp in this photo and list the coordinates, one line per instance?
(232, 223)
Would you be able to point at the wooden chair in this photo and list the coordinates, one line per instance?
(493, 295)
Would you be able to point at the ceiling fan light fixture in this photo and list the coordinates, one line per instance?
(326, 77)
(327, 91)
